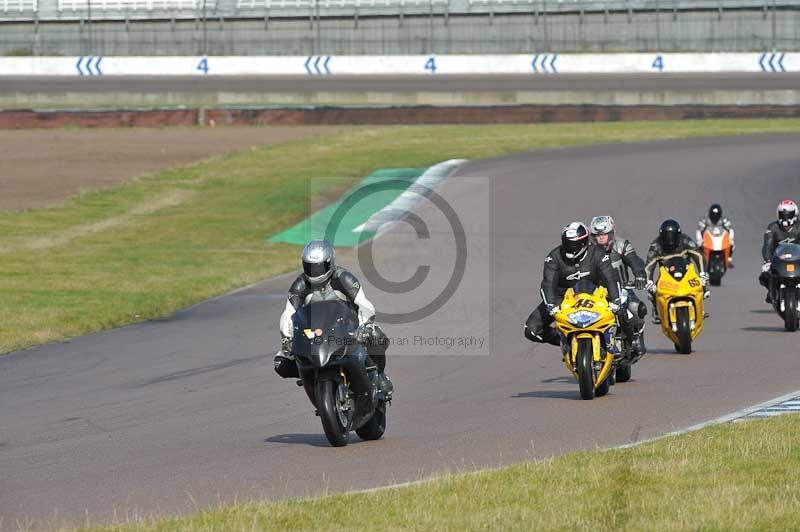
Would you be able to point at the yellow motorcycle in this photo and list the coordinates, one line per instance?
(679, 301)
(587, 326)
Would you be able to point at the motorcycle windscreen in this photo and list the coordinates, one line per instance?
(716, 238)
(716, 231)
(321, 329)
(677, 266)
(786, 260)
(584, 286)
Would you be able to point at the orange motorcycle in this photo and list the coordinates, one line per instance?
(717, 252)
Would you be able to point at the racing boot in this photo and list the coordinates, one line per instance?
(385, 386)
(638, 343)
(285, 366)
(656, 319)
(549, 337)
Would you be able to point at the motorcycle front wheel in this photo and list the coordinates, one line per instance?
(684, 344)
(716, 269)
(329, 408)
(585, 369)
(790, 313)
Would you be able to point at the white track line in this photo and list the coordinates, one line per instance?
(753, 411)
(780, 405)
(410, 199)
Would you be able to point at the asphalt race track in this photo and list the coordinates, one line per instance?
(255, 84)
(178, 414)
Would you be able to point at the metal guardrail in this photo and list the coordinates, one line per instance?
(249, 27)
(21, 10)
(327, 4)
(130, 5)
(18, 6)
(639, 5)
(537, 5)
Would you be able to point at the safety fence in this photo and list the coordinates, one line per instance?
(18, 6)
(104, 9)
(390, 27)
(147, 6)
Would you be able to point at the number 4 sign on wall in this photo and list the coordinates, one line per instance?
(430, 66)
(658, 64)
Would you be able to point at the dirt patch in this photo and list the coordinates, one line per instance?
(381, 115)
(498, 114)
(42, 167)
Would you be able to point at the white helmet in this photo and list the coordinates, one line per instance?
(603, 225)
(318, 261)
(787, 213)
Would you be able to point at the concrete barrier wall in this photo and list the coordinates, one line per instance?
(545, 64)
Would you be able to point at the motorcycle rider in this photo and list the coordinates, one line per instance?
(625, 260)
(320, 276)
(575, 259)
(715, 219)
(672, 241)
(784, 230)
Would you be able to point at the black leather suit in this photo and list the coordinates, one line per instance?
(561, 274)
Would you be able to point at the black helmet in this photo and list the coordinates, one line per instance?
(574, 241)
(669, 235)
(715, 213)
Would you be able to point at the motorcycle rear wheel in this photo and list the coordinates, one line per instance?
(623, 373)
(790, 313)
(328, 408)
(604, 388)
(684, 344)
(585, 369)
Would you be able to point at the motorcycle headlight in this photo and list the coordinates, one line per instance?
(583, 318)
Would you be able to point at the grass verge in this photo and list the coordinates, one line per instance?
(149, 247)
(740, 476)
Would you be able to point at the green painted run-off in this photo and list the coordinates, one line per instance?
(316, 225)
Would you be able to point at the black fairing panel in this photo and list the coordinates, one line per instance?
(323, 329)
(323, 355)
(786, 262)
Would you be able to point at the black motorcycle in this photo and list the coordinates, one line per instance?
(624, 354)
(336, 372)
(783, 283)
